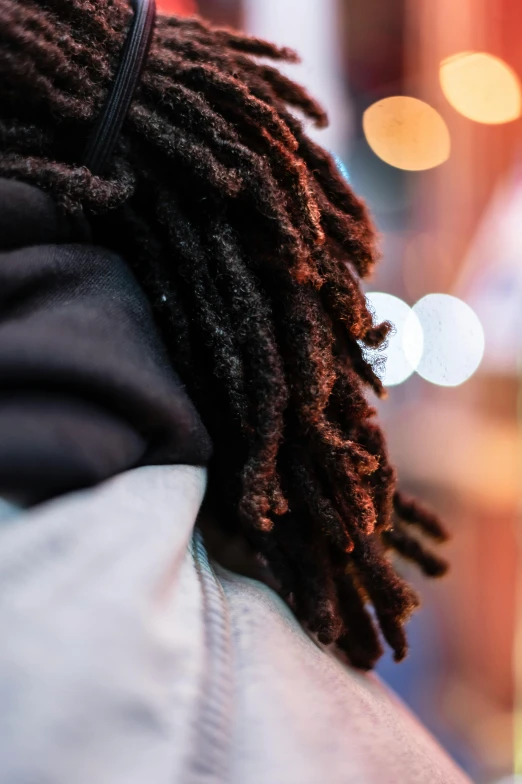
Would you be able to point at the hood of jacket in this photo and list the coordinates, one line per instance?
(86, 386)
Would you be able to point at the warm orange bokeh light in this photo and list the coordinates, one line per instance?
(407, 133)
(481, 87)
(181, 7)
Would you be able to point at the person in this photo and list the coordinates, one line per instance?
(200, 519)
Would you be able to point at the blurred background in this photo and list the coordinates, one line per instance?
(424, 100)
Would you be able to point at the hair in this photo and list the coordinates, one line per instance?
(250, 246)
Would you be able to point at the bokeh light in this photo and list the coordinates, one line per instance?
(407, 133)
(481, 87)
(180, 7)
(405, 345)
(453, 340)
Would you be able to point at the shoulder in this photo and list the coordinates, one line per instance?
(304, 716)
(115, 623)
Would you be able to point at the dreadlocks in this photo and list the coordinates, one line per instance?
(250, 246)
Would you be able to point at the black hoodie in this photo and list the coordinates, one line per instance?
(86, 388)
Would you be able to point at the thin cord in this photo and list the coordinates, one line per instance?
(134, 56)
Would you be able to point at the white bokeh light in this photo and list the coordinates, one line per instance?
(453, 340)
(405, 345)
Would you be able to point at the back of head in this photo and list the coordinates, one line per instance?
(251, 247)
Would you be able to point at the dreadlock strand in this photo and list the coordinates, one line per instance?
(268, 384)
(187, 102)
(219, 333)
(323, 513)
(411, 512)
(404, 544)
(392, 598)
(360, 639)
(250, 246)
(231, 40)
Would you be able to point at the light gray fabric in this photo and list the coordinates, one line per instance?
(126, 658)
(8, 511)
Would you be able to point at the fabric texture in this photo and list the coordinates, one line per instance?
(127, 657)
(86, 388)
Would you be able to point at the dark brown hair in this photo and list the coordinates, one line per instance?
(250, 245)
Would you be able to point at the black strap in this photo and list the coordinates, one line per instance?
(134, 56)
